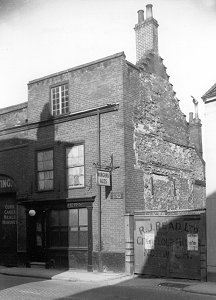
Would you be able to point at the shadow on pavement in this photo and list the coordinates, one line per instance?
(137, 289)
(12, 281)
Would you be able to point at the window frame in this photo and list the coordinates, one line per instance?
(60, 229)
(37, 171)
(51, 99)
(78, 226)
(70, 146)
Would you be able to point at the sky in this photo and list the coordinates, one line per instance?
(39, 37)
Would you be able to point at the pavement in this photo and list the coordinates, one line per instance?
(68, 275)
(109, 278)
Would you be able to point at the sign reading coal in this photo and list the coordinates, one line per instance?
(9, 214)
(8, 229)
(103, 178)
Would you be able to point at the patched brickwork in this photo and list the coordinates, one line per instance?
(169, 162)
(157, 110)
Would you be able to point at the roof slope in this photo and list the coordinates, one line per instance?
(210, 93)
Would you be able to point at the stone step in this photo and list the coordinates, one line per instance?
(37, 264)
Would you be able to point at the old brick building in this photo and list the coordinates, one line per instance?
(108, 115)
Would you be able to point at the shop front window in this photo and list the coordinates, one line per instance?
(78, 228)
(58, 228)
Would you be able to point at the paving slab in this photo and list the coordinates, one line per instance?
(29, 272)
(207, 288)
(69, 275)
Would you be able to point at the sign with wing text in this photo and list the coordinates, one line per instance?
(7, 184)
(103, 177)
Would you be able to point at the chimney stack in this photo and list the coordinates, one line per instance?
(146, 34)
(195, 129)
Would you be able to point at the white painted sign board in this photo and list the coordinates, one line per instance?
(103, 177)
(192, 242)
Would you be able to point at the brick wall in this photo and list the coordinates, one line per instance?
(133, 176)
(13, 116)
(91, 86)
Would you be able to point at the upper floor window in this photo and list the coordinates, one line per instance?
(60, 100)
(75, 166)
(45, 170)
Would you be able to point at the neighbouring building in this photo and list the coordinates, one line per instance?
(93, 145)
(209, 99)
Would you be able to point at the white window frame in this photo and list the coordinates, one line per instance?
(63, 100)
(75, 166)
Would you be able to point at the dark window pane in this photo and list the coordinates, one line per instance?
(54, 218)
(73, 237)
(64, 238)
(63, 216)
(54, 238)
(83, 238)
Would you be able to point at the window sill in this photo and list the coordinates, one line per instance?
(75, 187)
(58, 248)
(45, 191)
(69, 248)
(60, 116)
(78, 248)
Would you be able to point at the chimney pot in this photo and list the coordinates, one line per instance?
(149, 13)
(140, 16)
(190, 117)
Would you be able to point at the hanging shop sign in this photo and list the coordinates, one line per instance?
(7, 184)
(103, 178)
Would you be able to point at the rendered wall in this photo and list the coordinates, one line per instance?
(210, 143)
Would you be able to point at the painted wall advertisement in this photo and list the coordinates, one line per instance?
(167, 246)
(8, 224)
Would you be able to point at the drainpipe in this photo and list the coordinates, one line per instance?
(99, 197)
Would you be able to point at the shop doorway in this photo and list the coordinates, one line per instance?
(38, 237)
(60, 236)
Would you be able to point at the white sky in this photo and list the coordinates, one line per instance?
(40, 37)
